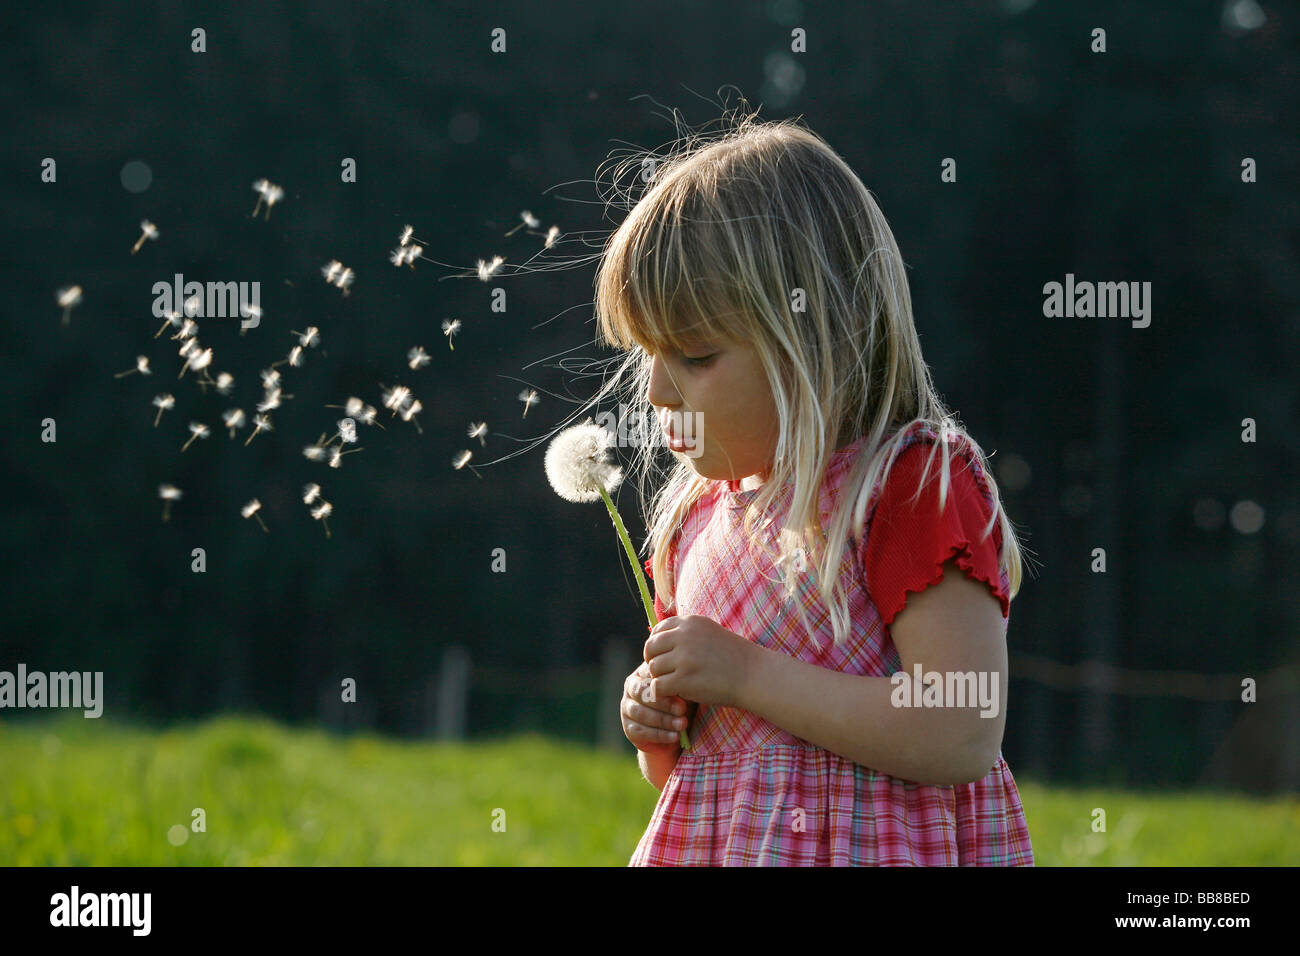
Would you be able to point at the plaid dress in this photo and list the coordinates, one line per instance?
(748, 793)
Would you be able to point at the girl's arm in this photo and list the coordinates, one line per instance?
(955, 625)
(657, 765)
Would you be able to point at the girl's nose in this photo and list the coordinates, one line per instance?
(662, 390)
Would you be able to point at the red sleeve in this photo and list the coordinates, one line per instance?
(659, 605)
(908, 545)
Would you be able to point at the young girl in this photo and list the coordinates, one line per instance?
(826, 525)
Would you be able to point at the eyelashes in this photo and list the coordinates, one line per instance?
(700, 362)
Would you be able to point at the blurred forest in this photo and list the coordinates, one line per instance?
(1118, 166)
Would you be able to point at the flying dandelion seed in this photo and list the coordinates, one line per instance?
(261, 423)
(529, 397)
(163, 403)
(173, 318)
(310, 493)
(308, 339)
(197, 430)
(486, 270)
(462, 459)
(405, 237)
(150, 232)
(251, 510)
(68, 298)
(417, 358)
(412, 254)
(234, 418)
(396, 398)
(316, 452)
(409, 413)
(529, 220)
(337, 453)
(449, 328)
(478, 431)
(187, 348)
(225, 382)
(552, 235)
(193, 305)
(141, 366)
(189, 329)
(322, 512)
(294, 358)
(249, 312)
(168, 493)
(270, 401)
(270, 378)
(359, 411)
(197, 361)
(397, 257)
(347, 431)
(269, 193)
(331, 270)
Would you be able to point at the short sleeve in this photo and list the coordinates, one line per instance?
(908, 544)
(660, 611)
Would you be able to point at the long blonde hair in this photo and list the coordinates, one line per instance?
(763, 234)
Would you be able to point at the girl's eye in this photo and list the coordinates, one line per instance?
(698, 362)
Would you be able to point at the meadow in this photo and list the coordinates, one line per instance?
(80, 792)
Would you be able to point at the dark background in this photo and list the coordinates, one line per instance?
(1116, 166)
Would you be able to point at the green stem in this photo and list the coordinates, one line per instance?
(639, 573)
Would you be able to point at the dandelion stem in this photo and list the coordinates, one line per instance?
(638, 573)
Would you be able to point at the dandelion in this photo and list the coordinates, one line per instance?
(168, 493)
(197, 430)
(529, 220)
(478, 431)
(150, 232)
(308, 339)
(321, 512)
(225, 382)
(141, 366)
(173, 318)
(251, 510)
(486, 270)
(197, 361)
(449, 328)
(234, 418)
(417, 358)
(552, 235)
(261, 423)
(269, 193)
(529, 397)
(310, 493)
(579, 471)
(163, 403)
(68, 298)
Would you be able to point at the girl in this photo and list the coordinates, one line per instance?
(829, 534)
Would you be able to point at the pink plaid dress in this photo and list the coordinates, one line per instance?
(732, 799)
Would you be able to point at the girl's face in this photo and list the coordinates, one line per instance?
(721, 404)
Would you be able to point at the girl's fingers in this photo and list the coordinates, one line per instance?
(650, 733)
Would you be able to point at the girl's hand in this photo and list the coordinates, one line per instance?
(649, 725)
(695, 657)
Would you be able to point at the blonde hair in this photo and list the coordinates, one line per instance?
(764, 235)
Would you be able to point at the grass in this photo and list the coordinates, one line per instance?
(90, 793)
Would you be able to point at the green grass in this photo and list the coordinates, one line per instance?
(82, 792)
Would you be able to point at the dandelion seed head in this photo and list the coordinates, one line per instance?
(69, 297)
(310, 338)
(169, 493)
(314, 452)
(461, 459)
(270, 378)
(164, 401)
(225, 382)
(251, 508)
(202, 360)
(397, 398)
(531, 221)
(270, 401)
(397, 257)
(411, 410)
(336, 457)
(348, 430)
(450, 326)
(353, 407)
(345, 279)
(310, 493)
(405, 237)
(150, 230)
(331, 269)
(142, 365)
(189, 329)
(322, 510)
(552, 234)
(273, 194)
(262, 423)
(187, 348)
(234, 418)
(295, 356)
(199, 430)
(413, 253)
(193, 305)
(261, 186)
(576, 463)
(417, 358)
(250, 311)
(477, 430)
